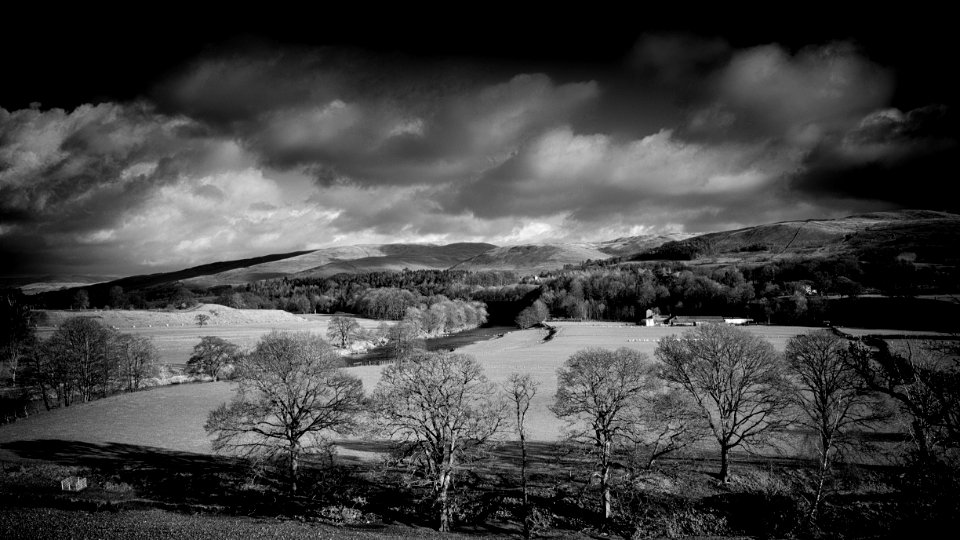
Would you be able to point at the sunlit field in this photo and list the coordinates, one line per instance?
(527, 352)
(172, 417)
(176, 333)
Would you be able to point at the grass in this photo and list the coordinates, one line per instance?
(526, 352)
(169, 417)
(151, 444)
(175, 333)
(43, 523)
(172, 417)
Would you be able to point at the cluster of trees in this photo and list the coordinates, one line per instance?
(441, 316)
(625, 293)
(437, 409)
(212, 356)
(715, 383)
(733, 387)
(172, 296)
(341, 292)
(437, 317)
(780, 292)
(533, 315)
(84, 360)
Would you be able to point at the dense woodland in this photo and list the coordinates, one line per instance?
(807, 292)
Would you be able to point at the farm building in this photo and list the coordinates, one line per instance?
(699, 320)
(653, 318)
(695, 320)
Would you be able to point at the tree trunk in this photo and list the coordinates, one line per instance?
(46, 398)
(821, 481)
(605, 481)
(523, 469)
(294, 466)
(14, 364)
(523, 484)
(724, 465)
(920, 434)
(444, 501)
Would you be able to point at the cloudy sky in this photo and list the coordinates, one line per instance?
(131, 147)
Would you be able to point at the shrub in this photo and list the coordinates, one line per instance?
(343, 515)
(673, 517)
(117, 487)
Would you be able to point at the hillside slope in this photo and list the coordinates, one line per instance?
(535, 258)
(532, 257)
(931, 237)
(396, 257)
(633, 244)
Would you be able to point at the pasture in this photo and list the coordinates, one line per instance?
(172, 417)
(527, 352)
(175, 333)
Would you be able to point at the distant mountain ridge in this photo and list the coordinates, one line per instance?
(927, 236)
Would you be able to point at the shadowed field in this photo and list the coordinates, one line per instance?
(169, 417)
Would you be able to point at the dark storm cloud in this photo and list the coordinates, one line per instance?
(370, 123)
(769, 92)
(905, 159)
(679, 61)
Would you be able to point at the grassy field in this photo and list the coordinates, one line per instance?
(169, 417)
(527, 352)
(172, 417)
(151, 446)
(175, 332)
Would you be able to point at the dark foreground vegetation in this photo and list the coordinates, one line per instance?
(146, 493)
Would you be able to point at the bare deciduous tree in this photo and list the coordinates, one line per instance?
(82, 359)
(137, 360)
(830, 396)
(736, 378)
(404, 339)
(292, 391)
(17, 338)
(342, 331)
(211, 355)
(532, 315)
(597, 390)
(668, 422)
(521, 390)
(923, 381)
(437, 407)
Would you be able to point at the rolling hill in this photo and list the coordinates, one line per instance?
(532, 257)
(923, 235)
(629, 245)
(396, 257)
(349, 259)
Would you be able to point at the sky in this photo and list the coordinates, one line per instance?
(155, 142)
